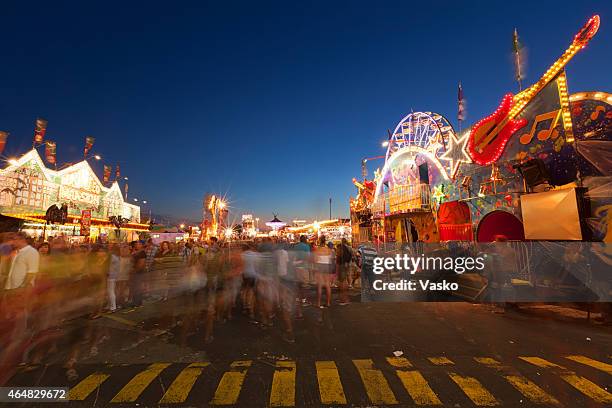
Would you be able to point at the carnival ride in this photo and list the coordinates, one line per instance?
(214, 214)
(538, 170)
(443, 184)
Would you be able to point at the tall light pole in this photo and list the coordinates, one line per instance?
(126, 188)
(144, 202)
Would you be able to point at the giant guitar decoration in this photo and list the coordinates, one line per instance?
(490, 135)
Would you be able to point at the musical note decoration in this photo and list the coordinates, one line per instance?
(543, 134)
(489, 136)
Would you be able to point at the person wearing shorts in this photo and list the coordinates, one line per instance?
(325, 265)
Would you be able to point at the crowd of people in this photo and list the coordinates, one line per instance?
(43, 284)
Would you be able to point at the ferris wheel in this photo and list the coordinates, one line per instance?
(425, 130)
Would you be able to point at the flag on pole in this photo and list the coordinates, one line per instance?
(50, 150)
(117, 173)
(107, 173)
(461, 104)
(39, 131)
(3, 137)
(89, 142)
(516, 47)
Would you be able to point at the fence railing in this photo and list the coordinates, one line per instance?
(413, 197)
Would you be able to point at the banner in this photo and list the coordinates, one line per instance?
(50, 151)
(3, 137)
(39, 131)
(117, 173)
(89, 142)
(461, 104)
(107, 173)
(85, 222)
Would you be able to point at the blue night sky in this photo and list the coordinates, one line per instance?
(273, 104)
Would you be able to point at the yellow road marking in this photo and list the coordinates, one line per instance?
(399, 362)
(132, 390)
(588, 388)
(530, 390)
(82, 390)
(540, 362)
(374, 381)
(440, 361)
(488, 361)
(418, 388)
(474, 390)
(583, 385)
(229, 387)
(182, 384)
(120, 319)
(330, 386)
(282, 393)
(606, 368)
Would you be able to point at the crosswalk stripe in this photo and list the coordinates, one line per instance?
(82, 390)
(474, 390)
(414, 382)
(330, 386)
(282, 393)
(183, 383)
(588, 388)
(540, 362)
(488, 361)
(440, 361)
(229, 387)
(399, 362)
(583, 385)
(132, 390)
(418, 388)
(529, 389)
(606, 368)
(374, 381)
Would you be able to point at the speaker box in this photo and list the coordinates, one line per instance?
(535, 174)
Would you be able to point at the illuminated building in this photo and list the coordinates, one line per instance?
(28, 188)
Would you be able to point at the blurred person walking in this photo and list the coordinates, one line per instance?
(365, 261)
(344, 256)
(325, 266)
(302, 264)
(250, 260)
(114, 271)
(24, 263)
(266, 285)
(137, 273)
(287, 289)
(150, 252)
(123, 277)
(213, 270)
(164, 252)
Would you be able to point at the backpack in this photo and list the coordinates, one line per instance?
(347, 255)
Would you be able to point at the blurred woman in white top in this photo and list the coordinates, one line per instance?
(325, 266)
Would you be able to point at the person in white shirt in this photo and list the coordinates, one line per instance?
(22, 271)
(24, 265)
